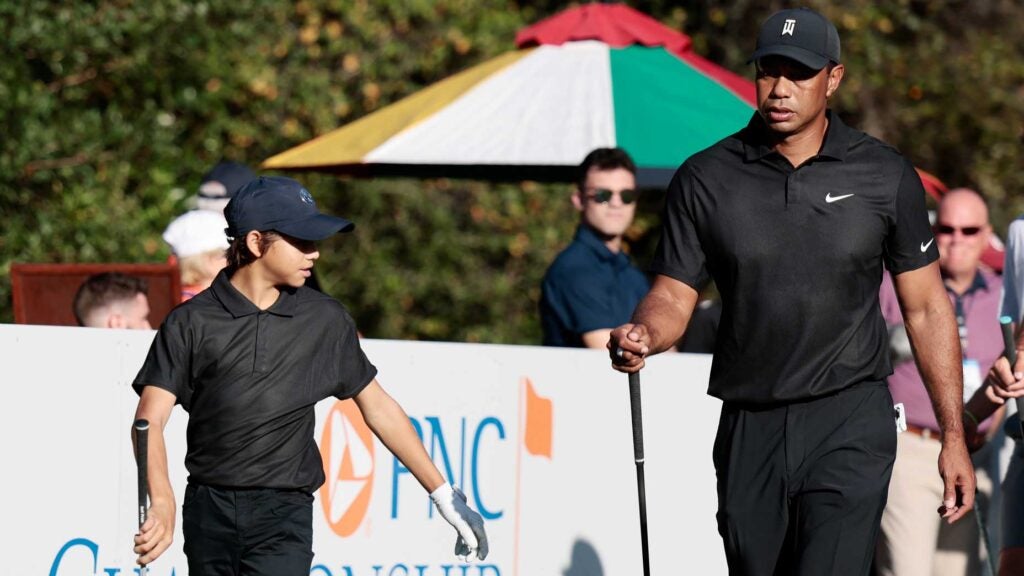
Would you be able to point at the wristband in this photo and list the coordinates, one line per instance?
(971, 417)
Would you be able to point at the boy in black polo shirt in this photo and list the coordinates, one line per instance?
(248, 359)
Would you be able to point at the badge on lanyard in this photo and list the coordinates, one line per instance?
(972, 378)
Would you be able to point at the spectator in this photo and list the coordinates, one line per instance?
(1003, 385)
(913, 540)
(199, 244)
(220, 183)
(592, 285)
(112, 300)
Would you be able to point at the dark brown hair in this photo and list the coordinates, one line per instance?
(238, 253)
(103, 289)
(604, 159)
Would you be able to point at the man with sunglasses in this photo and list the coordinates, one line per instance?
(592, 286)
(794, 217)
(913, 541)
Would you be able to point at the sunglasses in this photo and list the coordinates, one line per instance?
(604, 195)
(950, 230)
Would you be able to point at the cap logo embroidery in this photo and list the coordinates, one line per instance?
(305, 196)
(788, 27)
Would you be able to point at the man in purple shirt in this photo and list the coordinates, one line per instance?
(914, 540)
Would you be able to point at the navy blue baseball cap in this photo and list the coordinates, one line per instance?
(282, 205)
(800, 34)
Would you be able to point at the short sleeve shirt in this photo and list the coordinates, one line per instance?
(250, 378)
(588, 287)
(797, 255)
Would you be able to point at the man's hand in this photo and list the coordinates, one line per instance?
(472, 539)
(958, 476)
(628, 345)
(157, 532)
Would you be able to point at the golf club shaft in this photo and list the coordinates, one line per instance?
(638, 457)
(1010, 351)
(983, 533)
(142, 463)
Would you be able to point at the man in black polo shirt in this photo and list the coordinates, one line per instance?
(793, 217)
(593, 286)
(248, 359)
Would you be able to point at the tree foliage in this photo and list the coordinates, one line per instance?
(113, 109)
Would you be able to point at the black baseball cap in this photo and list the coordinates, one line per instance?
(224, 179)
(282, 205)
(800, 34)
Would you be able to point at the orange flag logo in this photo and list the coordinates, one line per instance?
(539, 416)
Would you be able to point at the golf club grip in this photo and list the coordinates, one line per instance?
(638, 421)
(1010, 351)
(142, 462)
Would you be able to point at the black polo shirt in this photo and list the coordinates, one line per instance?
(797, 256)
(250, 378)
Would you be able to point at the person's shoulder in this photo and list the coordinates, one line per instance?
(193, 310)
(573, 260)
(727, 149)
(862, 143)
(1016, 230)
(317, 303)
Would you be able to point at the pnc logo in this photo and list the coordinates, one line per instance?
(347, 446)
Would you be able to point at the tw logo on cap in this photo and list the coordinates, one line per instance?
(788, 27)
(305, 196)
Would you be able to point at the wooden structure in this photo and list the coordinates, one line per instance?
(44, 293)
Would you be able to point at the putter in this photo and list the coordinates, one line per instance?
(141, 461)
(1010, 351)
(638, 456)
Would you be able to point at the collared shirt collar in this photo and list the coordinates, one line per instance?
(979, 283)
(589, 238)
(238, 305)
(756, 143)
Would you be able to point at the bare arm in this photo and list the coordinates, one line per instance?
(391, 424)
(931, 327)
(155, 405)
(596, 338)
(658, 323)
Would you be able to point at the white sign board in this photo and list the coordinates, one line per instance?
(539, 439)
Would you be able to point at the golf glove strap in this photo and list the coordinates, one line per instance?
(451, 503)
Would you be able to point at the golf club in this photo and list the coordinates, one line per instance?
(1010, 351)
(141, 461)
(638, 456)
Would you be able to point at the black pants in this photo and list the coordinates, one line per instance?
(801, 487)
(254, 532)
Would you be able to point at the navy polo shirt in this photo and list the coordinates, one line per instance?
(588, 287)
(249, 380)
(797, 255)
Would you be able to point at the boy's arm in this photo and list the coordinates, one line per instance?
(155, 405)
(390, 423)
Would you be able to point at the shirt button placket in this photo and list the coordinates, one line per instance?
(262, 322)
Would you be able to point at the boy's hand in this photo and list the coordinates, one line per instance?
(472, 538)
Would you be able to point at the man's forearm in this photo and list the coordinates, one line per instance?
(936, 345)
(665, 318)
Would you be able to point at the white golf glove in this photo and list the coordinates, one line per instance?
(472, 539)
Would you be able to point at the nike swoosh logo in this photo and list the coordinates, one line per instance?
(830, 198)
(924, 247)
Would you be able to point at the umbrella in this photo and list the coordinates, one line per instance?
(597, 75)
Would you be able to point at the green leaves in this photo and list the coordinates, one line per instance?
(112, 110)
